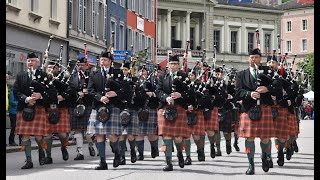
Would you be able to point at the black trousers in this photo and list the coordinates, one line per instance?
(13, 120)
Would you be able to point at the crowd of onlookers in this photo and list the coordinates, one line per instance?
(307, 110)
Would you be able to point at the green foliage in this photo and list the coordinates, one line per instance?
(309, 68)
(284, 1)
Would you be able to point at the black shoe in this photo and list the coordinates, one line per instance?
(133, 156)
(92, 151)
(65, 154)
(180, 158)
(265, 164)
(116, 160)
(28, 165)
(48, 160)
(250, 170)
(201, 156)
(79, 157)
(270, 162)
(228, 149)
(235, 145)
(41, 157)
(218, 153)
(212, 151)
(288, 153)
(295, 146)
(172, 149)
(169, 166)
(140, 157)
(154, 152)
(102, 166)
(188, 161)
(280, 160)
(123, 160)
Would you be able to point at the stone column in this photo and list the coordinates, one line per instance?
(197, 36)
(159, 31)
(243, 38)
(178, 36)
(227, 36)
(169, 28)
(188, 25)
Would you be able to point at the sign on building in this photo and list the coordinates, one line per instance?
(120, 54)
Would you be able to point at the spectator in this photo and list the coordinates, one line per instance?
(308, 110)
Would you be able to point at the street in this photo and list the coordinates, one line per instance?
(232, 166)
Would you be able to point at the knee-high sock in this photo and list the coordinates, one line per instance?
(64, 141)
(154, 143)
(27, 149)
(236, 138)
(179, 146)
(268, 150)
(122, 148)
(188, 146)
(79, 140)
(39, 143)
(49, 146)
(101, 146)
(218, 138)
(280, 145)
(228, 138)
(202, 141)
(168, 149)
(250, 149)
(131, 143)
(211, 139)
(115, 147)
(140, 145)
(265, 148)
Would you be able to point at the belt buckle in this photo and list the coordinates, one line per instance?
(53, 106)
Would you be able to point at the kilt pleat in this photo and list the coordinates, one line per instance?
(280, 123)
(80, 122)
(176, 128)
(199, 128)
(213, 123)
(262, 128)
(225, 125)
(292, 124)
(63, 124)
(133, 124)
(149, 127)
(111, 127)
(37, 127)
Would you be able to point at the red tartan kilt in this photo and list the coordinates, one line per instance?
(176, 128)
(292, 124)
(37, 127)
(63, 124)
(262, 128)
(281, 123)
(199, 128)
(212, 124)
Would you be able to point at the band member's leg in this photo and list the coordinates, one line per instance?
(26, 146)
(235, 144)
(168, 152)
(280, 143)
(114, 143)
(101, 146)
(269, 156)
(48, 148)
(133, 142)
(218, 140)
(42, 158)
(140, 145)
(265, 148)
(211, 137)
(200, 147)
(79, 140)
(153, 139)
(64, 142)
(187, 143)
(227, 136)
(122, 150)
(90, 144)
(250, 150)
(178, 142)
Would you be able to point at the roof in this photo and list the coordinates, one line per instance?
(250, 5)
(293, 4)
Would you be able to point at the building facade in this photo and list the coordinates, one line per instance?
(141, 28)
(29, 25)
(229, 26)
(297, 32)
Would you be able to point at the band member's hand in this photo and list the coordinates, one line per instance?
(175, 95)
(60, 98)
(255, 95)
(262, 89)
(230, 96)
(239, 102)
(111, 94)
(36, 95)
(30, 100)
(81, 94)
(289, 102)
(190, 108)
(274, 98)
(85, 91)
(169, 100)
(149, 93)
(104, 99)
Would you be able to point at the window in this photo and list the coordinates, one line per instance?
(129, 38)
(137, 6)
(80, 16)
(267, 44)
(133, 5)
(289, 28)
(93, 17)
(121, 36)
(14, 2)
(304, 45)
(216, 40)
(105, 22)
(129, 4)
(70, 11)
(173, 32)
(34, 5)
(152, 10)
(233, 42)
(114, 1)
(136, 42)
(250, 42)
(122, 3)
(113, 28)
(84, 15)
(288, 46)
(143, 41)
(304, 25)
(53, 10)
(141, 8)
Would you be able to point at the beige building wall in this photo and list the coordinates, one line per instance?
(19, 12)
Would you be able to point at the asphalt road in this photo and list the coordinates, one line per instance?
(232, 166)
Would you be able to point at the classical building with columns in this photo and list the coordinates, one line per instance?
(229, 26)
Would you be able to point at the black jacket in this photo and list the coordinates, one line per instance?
(79, 86)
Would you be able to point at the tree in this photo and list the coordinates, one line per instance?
(308, 68)
(284, 1)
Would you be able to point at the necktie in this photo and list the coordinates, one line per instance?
(254, 74)
(105, 73)
(80, 75)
